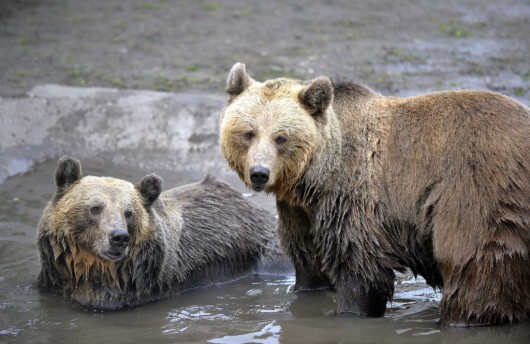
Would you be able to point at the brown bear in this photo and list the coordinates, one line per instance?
(111, 245)
(367, 184)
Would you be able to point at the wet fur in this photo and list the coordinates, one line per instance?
(438, 183)
(200, 234)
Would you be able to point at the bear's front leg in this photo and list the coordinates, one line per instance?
(359, 296)
(298, 242)
(308, 279)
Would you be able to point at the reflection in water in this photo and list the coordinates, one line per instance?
(181, 320)
(269, 334)
(257, 309)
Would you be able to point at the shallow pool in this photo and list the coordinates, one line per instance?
(256, 309)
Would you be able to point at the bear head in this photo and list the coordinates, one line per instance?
(271, 131)
(101, 216)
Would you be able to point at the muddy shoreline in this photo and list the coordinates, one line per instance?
(146, 77)
(395, 46)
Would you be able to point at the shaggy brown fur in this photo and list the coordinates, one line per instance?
(366, 184)
(109, 244)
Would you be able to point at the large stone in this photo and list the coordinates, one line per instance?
(149, 130)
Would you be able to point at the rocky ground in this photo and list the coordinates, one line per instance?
(112, 54)
(396, 46)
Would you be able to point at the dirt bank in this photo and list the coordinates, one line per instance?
(395, 46)
(187, 47)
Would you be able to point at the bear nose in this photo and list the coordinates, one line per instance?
(259, 175)
(119, 238)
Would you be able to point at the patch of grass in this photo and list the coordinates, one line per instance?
(346, 23)
(455, 28)
(188, 80)
(325, 38)
(384, 81)
(353, 36)
(480, 25)
(115, 81)
(19, 73)
(475, 68)
(117, 39)
(367, 69)
(78, 19)
(518, 91)
(69, 59)
(210, 5)
(527, 76)
(163, 83)
(19, 78)
(192, 67)
(245, 12)
(405, 56)
(381, 78)
(25, 40)
(21, 83)
(438, 86)
(316, 27)
(154, 5)
(75, 77)
(120, 25)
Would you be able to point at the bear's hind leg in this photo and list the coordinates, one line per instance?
(491, 288)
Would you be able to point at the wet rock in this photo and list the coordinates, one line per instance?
(145, 129)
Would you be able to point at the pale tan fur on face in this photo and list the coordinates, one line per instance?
(268, 111)
(115, 197)
(82, 240)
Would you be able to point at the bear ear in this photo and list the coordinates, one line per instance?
(150, 188)
(238, 80)
(317, 97)
(68, 172)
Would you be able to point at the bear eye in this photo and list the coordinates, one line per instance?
(96, 210)
(248, 136)
(128, 214)
(280, 140)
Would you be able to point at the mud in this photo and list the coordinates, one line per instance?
(395, 46)
(186, 48)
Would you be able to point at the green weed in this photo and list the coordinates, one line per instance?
(211, 5)
(75, 77)
(519, 91)
(455, 28)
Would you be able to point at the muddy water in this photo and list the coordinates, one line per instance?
(256, 309)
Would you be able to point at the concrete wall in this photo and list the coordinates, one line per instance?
(149, 130)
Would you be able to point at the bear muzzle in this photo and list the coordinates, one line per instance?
(119, 241)
(259, 176)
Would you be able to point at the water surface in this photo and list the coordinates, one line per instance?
(256, 309)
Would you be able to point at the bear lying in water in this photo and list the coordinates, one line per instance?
(110, 244)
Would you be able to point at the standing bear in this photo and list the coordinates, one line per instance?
(110, 244)
(367, 184)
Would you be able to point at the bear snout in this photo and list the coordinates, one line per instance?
(119, 238)
(259, 176)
